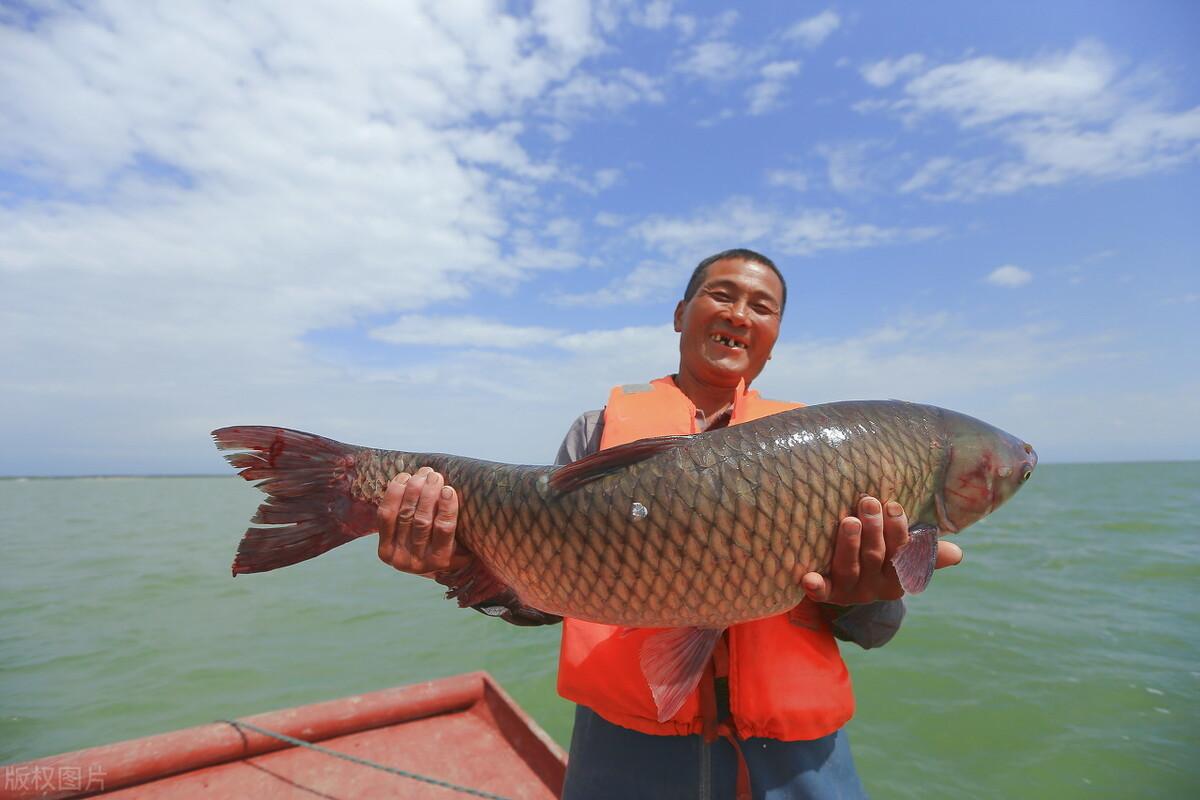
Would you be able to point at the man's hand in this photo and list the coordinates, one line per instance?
(862, 570)
(417, 518)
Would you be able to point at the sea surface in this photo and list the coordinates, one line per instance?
(1060, 660)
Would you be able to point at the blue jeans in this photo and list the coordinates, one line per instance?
(608, 761)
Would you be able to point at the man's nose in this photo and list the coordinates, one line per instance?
(738, 311)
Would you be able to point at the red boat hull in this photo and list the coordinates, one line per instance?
(464, 730)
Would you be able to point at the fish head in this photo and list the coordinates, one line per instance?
(985, 467)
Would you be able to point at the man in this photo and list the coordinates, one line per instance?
(776, 690)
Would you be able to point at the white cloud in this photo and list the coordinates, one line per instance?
(717, 118)
(740, 222)
(1009, 276)
(690, 239)
(1073, 85)
(1001, 375)
(780, 70)
(498, 147)
(585, 93)
(764, 95)
(1188, 298)
(722, 24)
(595, 183)
(850, 168)
(631, 339)
(1061, 116)
(607, 178)
(607, 219)
(223, 184)
(1137, 142)
(686, 24)
(566, 24)
(895, 361)
(1005, 375)
(812, 31)
(649, 280)
(716, 59)
(791, 178)
(812, 231)
(888, 71)
(655, 15)
(684, 240)
(465, 331)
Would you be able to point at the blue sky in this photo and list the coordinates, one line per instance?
(452, 226)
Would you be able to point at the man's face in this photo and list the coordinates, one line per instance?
(730, 325)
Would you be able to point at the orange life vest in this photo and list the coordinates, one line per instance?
(787, 681)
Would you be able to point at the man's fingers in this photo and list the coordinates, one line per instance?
(895, 536)
(417, 517)
(385, 516)
(393, 496)
(408, 506)
(816, 588)
(441, 545)
(895, 527)
(844, 572)
(422, 524)
(948, 554)
(871, 545)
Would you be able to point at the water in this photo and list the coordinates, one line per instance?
(1062, 659)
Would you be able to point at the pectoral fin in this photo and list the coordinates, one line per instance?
(475, 585)
(914, 562)
(673, 662)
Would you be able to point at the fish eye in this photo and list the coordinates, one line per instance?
(1028, 447)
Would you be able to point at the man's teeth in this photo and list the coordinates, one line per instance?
(725, 340)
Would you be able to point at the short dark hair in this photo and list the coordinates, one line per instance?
(742, 254)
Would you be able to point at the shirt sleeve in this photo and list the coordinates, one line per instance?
(870, 624)
(583, 437)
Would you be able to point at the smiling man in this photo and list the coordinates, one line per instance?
(767, 719)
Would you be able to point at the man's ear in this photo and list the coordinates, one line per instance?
(679, 317)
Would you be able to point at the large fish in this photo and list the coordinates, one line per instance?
(691, 533)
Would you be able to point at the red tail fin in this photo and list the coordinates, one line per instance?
(307, 479)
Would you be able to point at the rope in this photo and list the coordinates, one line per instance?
(362, 761)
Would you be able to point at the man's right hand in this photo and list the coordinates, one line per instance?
(417, 518)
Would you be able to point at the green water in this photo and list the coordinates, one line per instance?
(1062, 659)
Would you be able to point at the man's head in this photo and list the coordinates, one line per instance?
(729, 317)
(740, 253)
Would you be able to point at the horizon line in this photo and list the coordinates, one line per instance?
(78, 476)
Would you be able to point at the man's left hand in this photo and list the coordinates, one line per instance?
(862, 570)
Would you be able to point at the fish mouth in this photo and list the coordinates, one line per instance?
(729, 340)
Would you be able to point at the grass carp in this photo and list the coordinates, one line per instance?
(683, 532)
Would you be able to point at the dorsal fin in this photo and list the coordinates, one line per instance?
(589, 468)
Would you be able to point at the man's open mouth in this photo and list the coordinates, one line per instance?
(725, 340)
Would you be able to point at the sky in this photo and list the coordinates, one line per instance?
(454, 226)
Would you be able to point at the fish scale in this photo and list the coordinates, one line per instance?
(726, 522)
(505, 520)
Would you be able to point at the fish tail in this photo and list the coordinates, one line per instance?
(307, 480)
